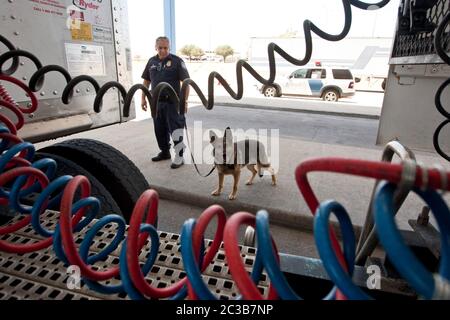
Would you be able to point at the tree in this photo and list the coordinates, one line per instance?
(191, 50)
(197, 52)
(224, 51)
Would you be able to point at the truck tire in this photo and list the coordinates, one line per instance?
(113, 169)
(65, 166)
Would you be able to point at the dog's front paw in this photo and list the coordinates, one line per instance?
(249, 183)
(274, 183)
(216, 193)
(232, 196)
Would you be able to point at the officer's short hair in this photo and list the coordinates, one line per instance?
(162, 38)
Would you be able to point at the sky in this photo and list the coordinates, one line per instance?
(210, 23)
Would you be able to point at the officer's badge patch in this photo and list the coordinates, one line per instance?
(169, 64)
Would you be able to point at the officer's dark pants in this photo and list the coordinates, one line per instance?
(169, 123)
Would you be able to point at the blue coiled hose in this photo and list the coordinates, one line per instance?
(94, 207)
(402, 257)
(192, 267)
(5, 143)
(265, 249)
(190, 263)
(16, 193)
(38, 207)
(103, 254)
(124, 274)
(7, 156)
(337, 274)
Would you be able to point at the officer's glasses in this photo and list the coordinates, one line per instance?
(159, 67)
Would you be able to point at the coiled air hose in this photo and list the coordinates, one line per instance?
(37, 81)
(424, 282)
(327, 244)
(441, 51)
(24, 177)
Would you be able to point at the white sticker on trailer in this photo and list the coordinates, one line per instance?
(85, 59)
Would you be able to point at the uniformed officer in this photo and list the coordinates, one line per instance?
(166, 67)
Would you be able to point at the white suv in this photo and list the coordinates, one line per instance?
(328, 83)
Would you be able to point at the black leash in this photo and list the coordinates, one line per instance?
(192, 157)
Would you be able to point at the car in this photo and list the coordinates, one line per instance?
(330, 84)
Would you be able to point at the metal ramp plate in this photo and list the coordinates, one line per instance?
(41, 275)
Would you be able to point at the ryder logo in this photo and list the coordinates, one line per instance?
(87, 4)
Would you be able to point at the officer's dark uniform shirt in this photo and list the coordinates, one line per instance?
(171, 69)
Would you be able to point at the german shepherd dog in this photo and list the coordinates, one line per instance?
(230, 157)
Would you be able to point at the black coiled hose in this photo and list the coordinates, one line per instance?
(37, 79)
(441, 51)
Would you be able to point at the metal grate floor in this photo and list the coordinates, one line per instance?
(41, 275)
